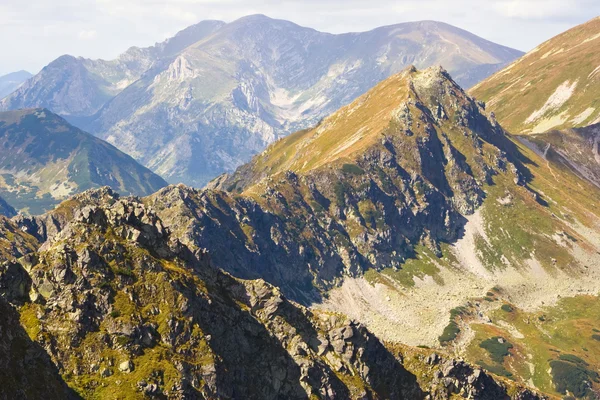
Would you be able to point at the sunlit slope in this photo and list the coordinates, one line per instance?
(554, 86)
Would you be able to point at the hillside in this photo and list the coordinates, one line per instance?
(123, 310)
(198, 110)
(45, 160)
(10, 82)
(6, 209)
(553, 86)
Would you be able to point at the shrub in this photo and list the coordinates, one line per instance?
(507, 308)
(596, 337)
(450, 333)
(572, 377)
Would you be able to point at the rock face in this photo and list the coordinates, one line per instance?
(195, 111)
(10, 82)
(122, 307)
(45, 160)
(553, 86)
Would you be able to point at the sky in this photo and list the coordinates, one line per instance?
(35, 32)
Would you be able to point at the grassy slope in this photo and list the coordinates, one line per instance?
(524, 87)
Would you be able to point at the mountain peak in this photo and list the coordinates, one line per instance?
(406, 109)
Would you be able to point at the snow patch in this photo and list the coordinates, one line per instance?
(583, 116)
(560, 96)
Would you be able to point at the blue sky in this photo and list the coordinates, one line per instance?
(37, 31)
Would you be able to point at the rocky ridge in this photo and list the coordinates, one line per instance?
(123, 308)
(359, 191)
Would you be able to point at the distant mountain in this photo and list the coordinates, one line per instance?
(44, 160)
(554, 86)
(78, 87)
(195, 111)
(10, 82)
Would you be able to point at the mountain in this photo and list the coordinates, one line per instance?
(45, 160)
(206, 108)
(124, 310)
(552, 87)
(76, 87)
(406, 218)
(413, 211)
(10, 82)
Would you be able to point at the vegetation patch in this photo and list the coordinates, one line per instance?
(352, 169)
(450, 333)
(570, 373)
(497, 347)
(507, 308)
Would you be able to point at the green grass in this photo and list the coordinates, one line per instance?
(352, 169)
(497, 347)
(450, 333)
(563, 338)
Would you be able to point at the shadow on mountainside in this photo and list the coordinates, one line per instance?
(27, 372)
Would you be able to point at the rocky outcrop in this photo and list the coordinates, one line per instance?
(14, 242)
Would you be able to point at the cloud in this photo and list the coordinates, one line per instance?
(88, 34)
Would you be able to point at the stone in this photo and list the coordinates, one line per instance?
(126, 366)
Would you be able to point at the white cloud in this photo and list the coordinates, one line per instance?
(88, 34)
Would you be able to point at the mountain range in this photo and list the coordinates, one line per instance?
(208, 99)
(405, 246)
(10, 82)
(45, 160)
